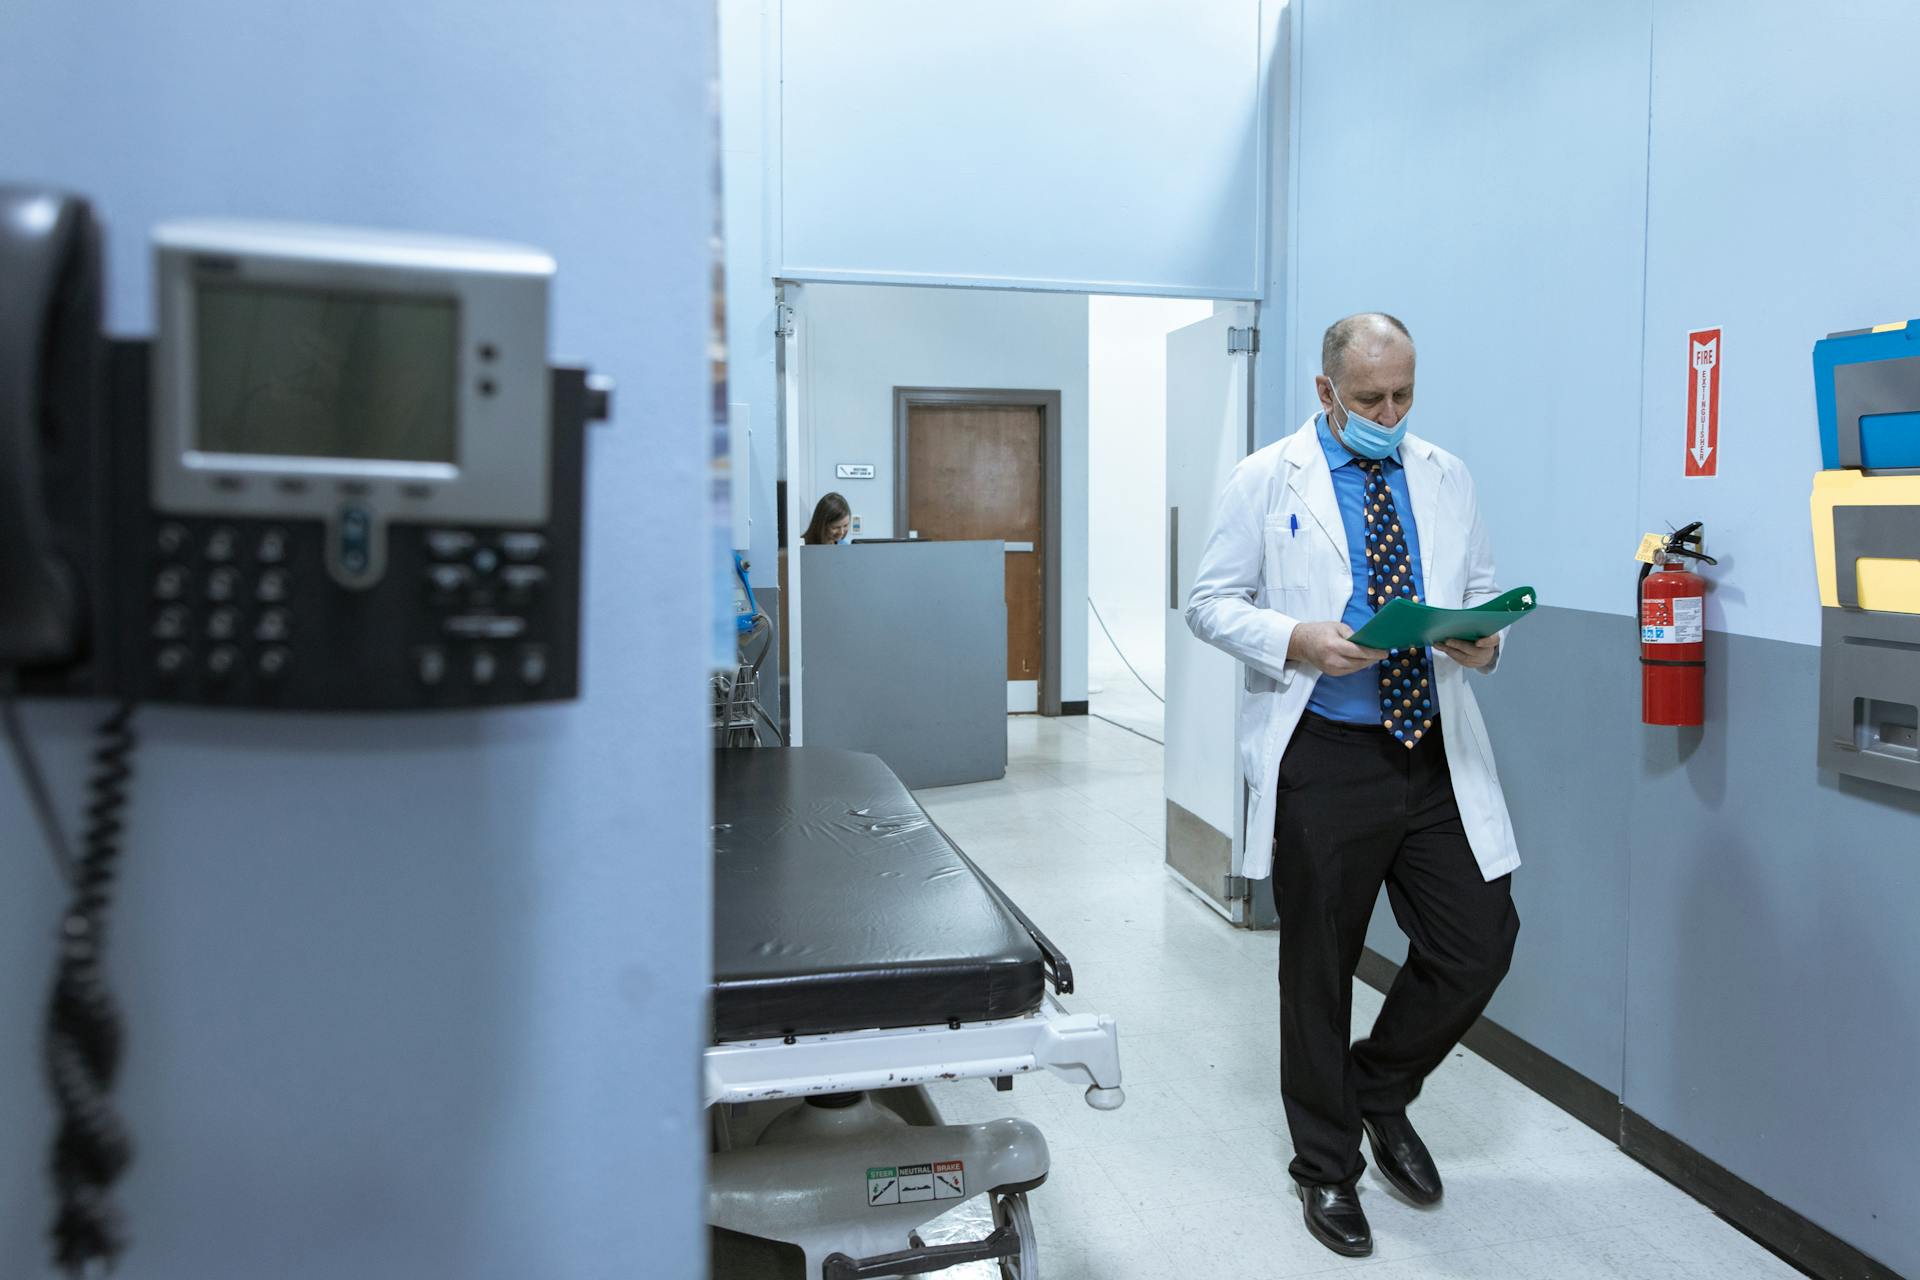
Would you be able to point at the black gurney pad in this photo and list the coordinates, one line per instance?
(839, 906)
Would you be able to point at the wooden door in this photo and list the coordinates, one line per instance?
(978, 471)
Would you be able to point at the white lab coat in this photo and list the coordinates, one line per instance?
(1259, 578)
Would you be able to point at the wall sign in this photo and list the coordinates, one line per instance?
(1703, 402)
(853, 471)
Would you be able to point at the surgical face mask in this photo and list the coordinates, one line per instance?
(1366, 437)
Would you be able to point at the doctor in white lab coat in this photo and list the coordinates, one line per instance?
(1363, 768)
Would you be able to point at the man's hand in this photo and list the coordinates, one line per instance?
(1325, 645)
(1475, 653)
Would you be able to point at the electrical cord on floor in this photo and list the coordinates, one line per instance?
(1123, 656)
(35, 780)
(91, 1148)
(1128, 728)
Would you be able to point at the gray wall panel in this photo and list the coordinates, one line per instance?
(906, 656)
(1774, 968)
(1563, 712)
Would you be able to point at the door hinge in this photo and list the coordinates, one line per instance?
(1238, 889)
(1239, 340)
(783, 320)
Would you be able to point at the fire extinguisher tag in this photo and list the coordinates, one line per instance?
(1677, 621)
(1649, 548)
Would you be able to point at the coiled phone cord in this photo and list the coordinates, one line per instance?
(91, 1148)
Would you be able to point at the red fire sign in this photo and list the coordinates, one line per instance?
(1703, 402)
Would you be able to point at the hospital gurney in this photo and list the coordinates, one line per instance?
(859, 955)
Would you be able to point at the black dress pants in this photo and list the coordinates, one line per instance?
(1354, 810)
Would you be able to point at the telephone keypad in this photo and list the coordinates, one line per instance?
(458, 614)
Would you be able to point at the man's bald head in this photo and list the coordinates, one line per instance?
(1366, 367)
(1371, 331)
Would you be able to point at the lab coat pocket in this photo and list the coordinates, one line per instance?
(1288, 563)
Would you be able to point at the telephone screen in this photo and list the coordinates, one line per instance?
(311, 373)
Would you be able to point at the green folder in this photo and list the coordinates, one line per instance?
(1406, 625)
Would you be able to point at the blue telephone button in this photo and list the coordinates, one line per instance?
(355, 538)
(272, 587)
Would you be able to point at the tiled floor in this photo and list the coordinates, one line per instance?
(1188, 1179)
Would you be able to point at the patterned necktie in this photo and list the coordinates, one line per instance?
(1406, 678)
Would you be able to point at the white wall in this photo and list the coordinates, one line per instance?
(1126, 468)
(1096, 145)
(414, 995)
(860, 342)
(749, 144)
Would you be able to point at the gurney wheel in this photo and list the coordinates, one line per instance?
(1013, 1209)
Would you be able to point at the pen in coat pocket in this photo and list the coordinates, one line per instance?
(1293, 526)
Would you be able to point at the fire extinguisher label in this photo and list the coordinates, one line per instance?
(1678, 621)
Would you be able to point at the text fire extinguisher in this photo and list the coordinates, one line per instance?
(1673, 634)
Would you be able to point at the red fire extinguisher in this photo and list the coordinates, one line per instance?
(1673, 650)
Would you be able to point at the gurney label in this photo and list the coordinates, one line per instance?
(916, 1182)
(912, 1183)
(949, 1180)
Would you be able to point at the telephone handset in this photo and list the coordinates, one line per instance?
(341, 476)
(50, 352)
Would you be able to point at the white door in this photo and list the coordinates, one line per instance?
(1209, 429)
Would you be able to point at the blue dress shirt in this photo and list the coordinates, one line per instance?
(1355, 699)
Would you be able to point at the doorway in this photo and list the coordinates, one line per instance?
(976, 464)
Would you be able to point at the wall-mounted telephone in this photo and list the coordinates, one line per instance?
(341, 475)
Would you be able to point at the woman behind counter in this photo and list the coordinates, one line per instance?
(832, 518)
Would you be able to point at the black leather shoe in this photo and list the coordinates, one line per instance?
(1335, 1218)
(1402, 1158)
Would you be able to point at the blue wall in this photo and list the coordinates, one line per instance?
(408, 996)
(1551, 196)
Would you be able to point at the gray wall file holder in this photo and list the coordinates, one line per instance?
(1870, 387)
(1870, 660)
